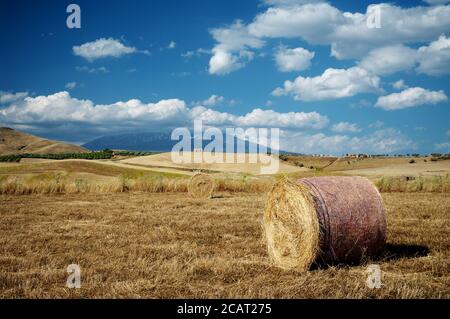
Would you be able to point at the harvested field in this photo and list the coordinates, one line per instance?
(352, 163)
(136, 232)
(164, 160)
(97, 167)
(420, 168)
(170, 245)
(82, 176)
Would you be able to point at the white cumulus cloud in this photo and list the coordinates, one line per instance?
(270, 118)
(296, 59)
(343, 127)
(172, 45)
(212, 100)
(409, 98)
(316, 22)
(332, 84)
(103, 48)
(223, 62)
(434, 59)
(389, 60)
(59, 112)
(71, 85)
(8, 97)
(399, 85)
(234, 48)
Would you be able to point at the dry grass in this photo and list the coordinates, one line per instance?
(428, 169)
(243, 185)
(310, 161)
(349, 163)
(170, 245)
(164, 160)
(434, 184)
(16, 142)
(60, 183)
(75, 176)
(137, 233)
(66, 183)
(77, 166)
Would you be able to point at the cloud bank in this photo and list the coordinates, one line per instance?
(82, 119)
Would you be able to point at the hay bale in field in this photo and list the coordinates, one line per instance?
(201, 186)
(324, 219)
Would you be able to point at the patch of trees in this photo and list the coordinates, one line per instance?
(133, 153)
(438, 156)
(10, 158)
(105, 154)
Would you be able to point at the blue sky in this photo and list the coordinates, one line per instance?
(155, 65)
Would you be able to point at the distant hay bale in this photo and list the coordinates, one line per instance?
(324, 220)
(201, 186)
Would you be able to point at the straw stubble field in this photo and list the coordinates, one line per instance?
(157, 245)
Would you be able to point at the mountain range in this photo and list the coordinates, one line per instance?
(150, 142)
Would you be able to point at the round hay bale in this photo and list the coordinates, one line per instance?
(201, 186)
(291, 226)
(324, 220)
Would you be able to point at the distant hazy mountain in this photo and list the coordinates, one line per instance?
(17, 142)
(157, 142)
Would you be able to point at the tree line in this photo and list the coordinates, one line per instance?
(105, 154)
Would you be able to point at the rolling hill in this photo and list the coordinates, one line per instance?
(17, 142)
